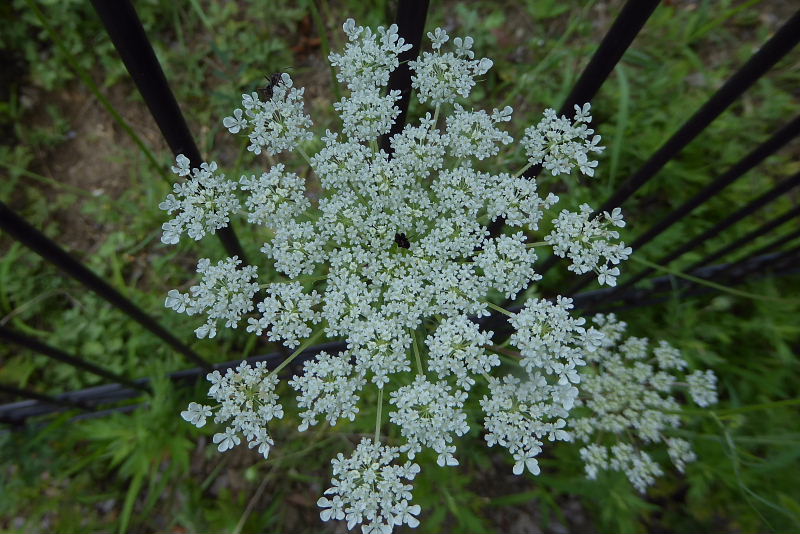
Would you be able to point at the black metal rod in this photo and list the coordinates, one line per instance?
(776, 243)
(690, 292)
(617, 40)
(731, 273)
(743, 166)
(110, 393)
(773, 50)
(744, 269)
(22, 231)
(732, 219)
(35, 345)
(739, 169)
(127, 33)
(410, 20)
(746, 239)
(60, 403)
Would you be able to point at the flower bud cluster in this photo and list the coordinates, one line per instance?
(225, 292)
(590, 243)
(202, 204)
(247, 402)
(627, 404)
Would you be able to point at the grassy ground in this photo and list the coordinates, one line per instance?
(72, 170)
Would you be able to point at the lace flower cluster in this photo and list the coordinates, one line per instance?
(247, 401)
(628, 405)
(391, 252)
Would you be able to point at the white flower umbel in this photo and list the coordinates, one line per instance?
(516, 199)
(509, 262)
(703, 387)
(560, 145)
(277, 125)
(225, 293)
(390, 251)
(329, 385)
(456, 348)
(368, 488)
(247, 402)
(637, 465)
(297, 248)
(589, 242)
(442, 77)
(626, 404)
(369, 57)
(473, 133)
(275, 197)
(521, 414)
(367, 113)
(550, 339)
(286, 312)
(202, 204)
(429, 414)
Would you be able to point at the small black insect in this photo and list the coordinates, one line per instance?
(402, 241)
(272, 80)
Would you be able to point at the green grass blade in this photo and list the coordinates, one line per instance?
(130, 500)
(621, 126)
(714, 285)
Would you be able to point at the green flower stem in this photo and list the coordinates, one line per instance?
(378, 417)
(46, 180)
(741, 409)
(504, 311)
(522, 170)
(708, 283)
(310, 341)
(298, 279)
(325, 46)
(536, 244)
(303, 153)
(417, 355)
(502, 350)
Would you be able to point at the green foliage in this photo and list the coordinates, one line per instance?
(148, 471)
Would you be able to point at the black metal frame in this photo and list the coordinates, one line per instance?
(22, 231)
(127, 33)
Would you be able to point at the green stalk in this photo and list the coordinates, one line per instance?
(701, 281)
(417, 356)
(46, 180)
(325, 46)
(378, 418)
(522, 170)
(504, 311)
(310, 341)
